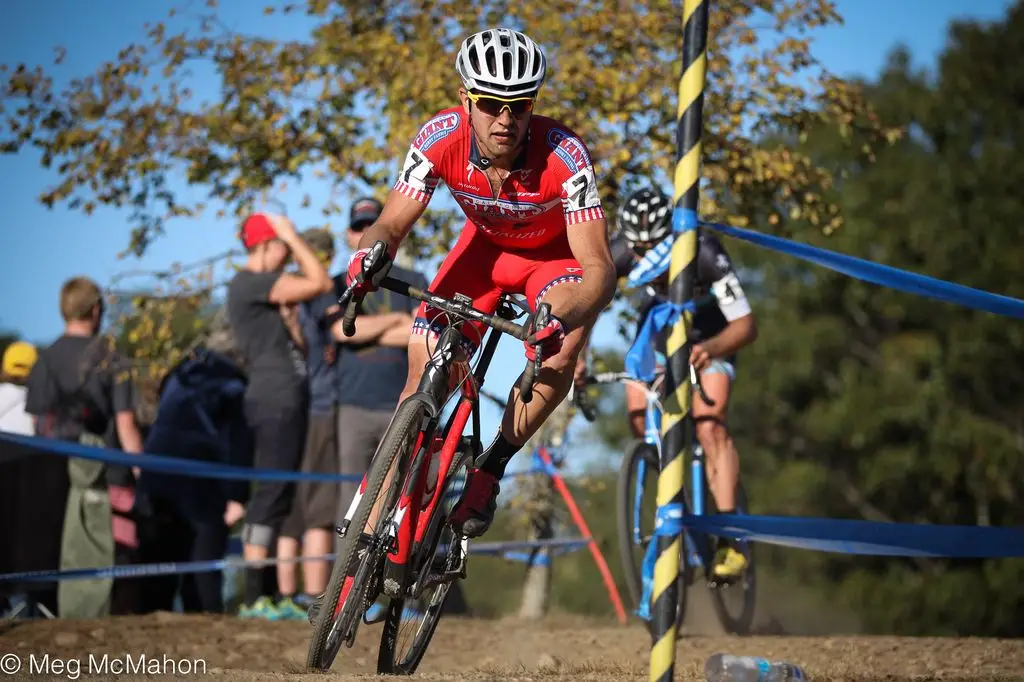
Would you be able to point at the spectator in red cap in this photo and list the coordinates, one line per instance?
(261, 306)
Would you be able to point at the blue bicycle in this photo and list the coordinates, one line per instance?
(637, 491)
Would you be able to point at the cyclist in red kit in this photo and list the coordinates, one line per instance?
(534, 226)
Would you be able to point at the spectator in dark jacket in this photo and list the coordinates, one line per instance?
(33, 489)
(186, 518)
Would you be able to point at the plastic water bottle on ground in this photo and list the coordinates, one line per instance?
(728, 668)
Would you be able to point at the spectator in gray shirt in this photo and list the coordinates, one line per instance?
(261, 305)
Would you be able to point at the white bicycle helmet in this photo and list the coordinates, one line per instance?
(501, 62)
(645, 218)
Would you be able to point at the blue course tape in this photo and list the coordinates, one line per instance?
(531, 558)
(684, 220)
(866, 537)
(502, 547)
(669, 519)
(885, 275)
(180, 466)
(179, 568)
(169, 465)
(143, 570)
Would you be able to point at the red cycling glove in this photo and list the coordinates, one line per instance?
(548, 340)
(355, 272)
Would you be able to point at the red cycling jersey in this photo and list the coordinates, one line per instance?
(551, 185)
(516, 241)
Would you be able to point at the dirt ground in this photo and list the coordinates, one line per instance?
(557, 648)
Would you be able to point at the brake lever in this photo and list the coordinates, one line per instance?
(378, 251)
(582, 401)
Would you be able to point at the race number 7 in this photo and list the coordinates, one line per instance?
(412, 163)
(584, 190)
(580, 197)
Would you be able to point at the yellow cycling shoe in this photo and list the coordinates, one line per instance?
(729, 564)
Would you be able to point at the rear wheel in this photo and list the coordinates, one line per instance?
(411, 621)
(636, 531)
(735, 601)
(346, 597)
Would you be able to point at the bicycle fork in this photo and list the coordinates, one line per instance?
(652, 436)
(691, 553)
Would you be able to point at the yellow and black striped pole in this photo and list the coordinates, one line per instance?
(682, 273)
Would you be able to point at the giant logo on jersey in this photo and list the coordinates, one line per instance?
(569, 149)
(501, 208)
(435, 130)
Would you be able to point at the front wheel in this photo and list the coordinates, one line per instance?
(411, 621)
(636, 502)
(356, 567)
(735, 602)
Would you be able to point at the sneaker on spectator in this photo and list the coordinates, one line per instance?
(263, 608)
(287, 609)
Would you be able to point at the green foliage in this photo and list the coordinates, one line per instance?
(863, 402)
(156, 332)
(611, 428)
(494, 585)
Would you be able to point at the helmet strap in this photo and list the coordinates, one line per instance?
(485, 161)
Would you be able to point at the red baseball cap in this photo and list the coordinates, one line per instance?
(257, 229)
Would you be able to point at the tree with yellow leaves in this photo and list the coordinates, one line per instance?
(158, 317)
(345, 102)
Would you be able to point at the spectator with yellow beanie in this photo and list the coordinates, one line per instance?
(18, 359)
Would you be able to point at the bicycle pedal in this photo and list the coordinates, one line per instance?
(461, 549)
(718, 582)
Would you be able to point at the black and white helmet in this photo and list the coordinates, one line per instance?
(501, 62)
(645, 218)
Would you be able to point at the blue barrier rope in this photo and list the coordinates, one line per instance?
(176, 465)
(885, 275)
(181, 568)
(872, 538)
(169, 465)
(543, 558)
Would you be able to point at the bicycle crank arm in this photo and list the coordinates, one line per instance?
(435, 579)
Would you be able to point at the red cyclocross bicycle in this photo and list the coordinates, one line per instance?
(412, 554)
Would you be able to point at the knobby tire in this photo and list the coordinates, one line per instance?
(741, 624)
(404, 427)
(386, 663)
(631, 565)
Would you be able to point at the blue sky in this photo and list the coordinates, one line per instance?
(41, 247)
